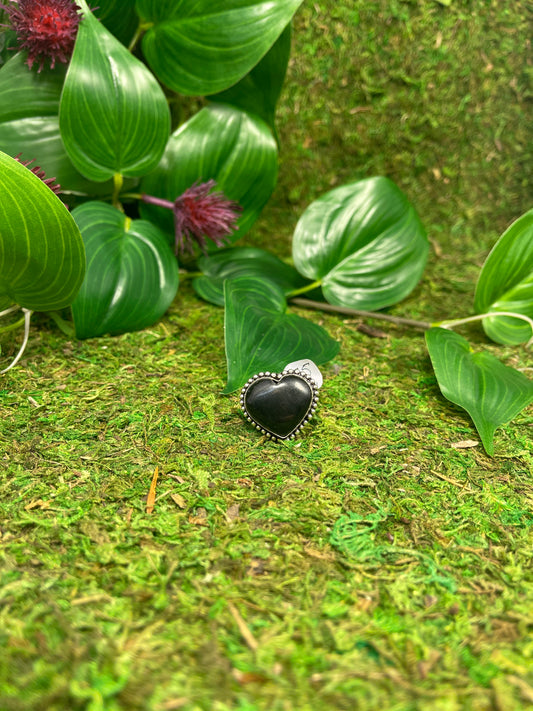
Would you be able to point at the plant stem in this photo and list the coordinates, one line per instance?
(12, 326)
(9, 310)
(27, 317)
(118, 181)
(480, 317)
(141, 28)
(304, 289)
(399, 320)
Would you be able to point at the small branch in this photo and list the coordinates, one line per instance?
(141, 29)
(27, 317)
(320, 306)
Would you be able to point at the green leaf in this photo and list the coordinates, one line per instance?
(206, 46)
(258, 92)
(132, 274)
(223, 143)
(259, 334)
(113, 115)
(119, 17)
(492, 393)
(242, 261)
(506, 283)
(42, 259)
(26, 93)
(365, 242)
(29, 124)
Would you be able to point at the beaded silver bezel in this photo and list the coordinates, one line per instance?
(267, 375)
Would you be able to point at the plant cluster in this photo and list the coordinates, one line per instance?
(98, 103)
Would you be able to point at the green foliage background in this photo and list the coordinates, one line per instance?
(379, 562)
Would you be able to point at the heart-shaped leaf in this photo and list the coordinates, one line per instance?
(206, 46)
(506, 283)
(261, 336)
(113, 115)
(222, 143)
(364, 241)
(132, 274)
(258, 92)
(492, 393)
(242, 261)
(42, 259)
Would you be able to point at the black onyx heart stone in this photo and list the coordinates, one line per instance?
(279, 404)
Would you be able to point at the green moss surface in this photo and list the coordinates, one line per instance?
(379, 562)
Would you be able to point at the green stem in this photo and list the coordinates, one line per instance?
(12, 326)
(118, 181)
(304, 289)
(132, 196)
(184, 274)
(480, 317)
(400, 321)
(141, 29)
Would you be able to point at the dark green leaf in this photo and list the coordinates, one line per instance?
(492, 393)
(506, 283)
(261, 336)
(364, 242)
(206, 46)
(113, 115)
(242, 261)
(223, 143)
(258, 92)
(119, 17)
(132, 274)
(42, 260)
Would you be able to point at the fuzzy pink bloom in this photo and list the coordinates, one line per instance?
(36, 170)
(46, 28)
(200, 213)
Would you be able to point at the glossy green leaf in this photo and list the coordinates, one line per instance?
(506, 283)
(220, 142)
(25, 93)
(242, 261)
(132, 274)
(29, 124)
(39, 138)
(113, 115)
(42, 259)
(258, 92)
(492, 393)
(206, 46)
(365, 242)
(119, 17)
(261, 336)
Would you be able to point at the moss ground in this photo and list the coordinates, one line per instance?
(373, 564)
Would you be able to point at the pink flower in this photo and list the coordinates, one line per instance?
(46, 28)
(36, 170)
(200, 213)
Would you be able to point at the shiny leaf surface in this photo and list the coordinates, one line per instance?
(242, 261)
(258, 92)
(132, 274)
(220, 142)
(492, 393)
(261, 336)
(206, 46)
(113, 115)
(42, 258)
(506, 283)
(365, 242)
